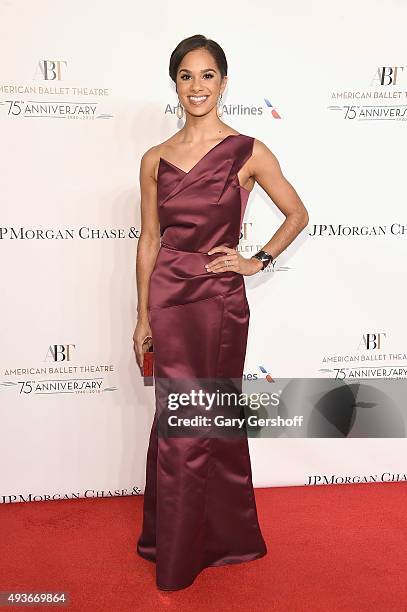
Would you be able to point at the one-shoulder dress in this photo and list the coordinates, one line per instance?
(199, 507)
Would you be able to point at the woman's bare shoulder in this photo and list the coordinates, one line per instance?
(152, 156)
(259, 146)
(261, 151)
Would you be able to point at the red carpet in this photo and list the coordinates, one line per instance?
(330, 548)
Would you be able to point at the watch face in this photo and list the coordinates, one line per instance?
(264, 257)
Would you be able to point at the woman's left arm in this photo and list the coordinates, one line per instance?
(264, 167)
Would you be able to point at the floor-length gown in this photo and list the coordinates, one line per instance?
(199, 506)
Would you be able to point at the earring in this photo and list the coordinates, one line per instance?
(220, 106)
(180, 108)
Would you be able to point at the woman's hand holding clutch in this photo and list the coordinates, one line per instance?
(143, 344)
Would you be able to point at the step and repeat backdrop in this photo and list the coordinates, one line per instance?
(84, 92)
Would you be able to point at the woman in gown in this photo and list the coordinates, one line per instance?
(199, 506)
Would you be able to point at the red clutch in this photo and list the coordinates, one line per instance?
(148, 358)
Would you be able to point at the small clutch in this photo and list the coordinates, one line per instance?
(148, 356)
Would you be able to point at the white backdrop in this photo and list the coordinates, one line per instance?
(84, 91)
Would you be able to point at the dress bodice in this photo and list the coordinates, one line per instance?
(204, 207)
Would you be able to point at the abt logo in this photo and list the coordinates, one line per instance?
(244, 233)
(387, 75)
(59, 352)
(50, 70)
(371, 342)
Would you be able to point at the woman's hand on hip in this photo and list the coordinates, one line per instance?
(232, 261)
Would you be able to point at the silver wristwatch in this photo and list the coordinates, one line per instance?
(264, 257)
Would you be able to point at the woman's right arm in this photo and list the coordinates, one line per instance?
(147, 248)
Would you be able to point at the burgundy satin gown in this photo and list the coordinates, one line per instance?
(199, 506)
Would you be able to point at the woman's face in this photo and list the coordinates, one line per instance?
(199, 82)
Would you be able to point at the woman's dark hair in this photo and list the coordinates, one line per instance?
(198, 41)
